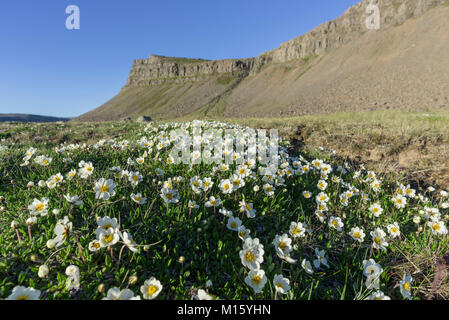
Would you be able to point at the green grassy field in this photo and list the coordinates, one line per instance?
(198, 252)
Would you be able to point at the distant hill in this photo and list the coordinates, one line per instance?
(17, 117)
(340, 66)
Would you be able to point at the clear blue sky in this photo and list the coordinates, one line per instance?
(49, 70)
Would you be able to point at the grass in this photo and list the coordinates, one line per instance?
(208, 249)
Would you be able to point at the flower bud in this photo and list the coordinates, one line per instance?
(43, 271)
(181, 259)
(30, 184)
(14, 225)
(41, 183)
(132, 280)
(51, 244)
(101, 288)
(34, 258)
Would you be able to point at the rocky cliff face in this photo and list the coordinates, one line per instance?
(160, 69)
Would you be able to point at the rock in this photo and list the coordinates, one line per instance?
(144, 119)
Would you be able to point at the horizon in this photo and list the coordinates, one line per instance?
(71, 72)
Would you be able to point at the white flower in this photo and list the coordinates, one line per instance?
(252, 254)
(104, 189)
(137, 198)
(135, 178)
(406, 287)
(248, 209)
(203, 295)
(22, 293)
(73, 280)
(379, 241)
(94, 246)
(399, 201)
(62, 229)
(437, 227)
(357, 234)
(321, 258)
(281, 284)
(151, 288)
(109, 237)
(378, 295)
(297, 230)
(394, 230)
(39, 207)
(243, 232)
(117, 294)
(322, 185)
(305, 264)
(256, 279)
(226, 186)
(336, 223)
(129, 241)
(170, 195)
(283, 245)
(193, 205)
(371, 268)
(86, 169)
(212, 202)
(234, 223)
(73, 199)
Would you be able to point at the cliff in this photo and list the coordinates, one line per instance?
(338, 66)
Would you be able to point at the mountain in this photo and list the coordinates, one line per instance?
(340, 65)
(10, 117)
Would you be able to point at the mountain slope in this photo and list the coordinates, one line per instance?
(338, 66)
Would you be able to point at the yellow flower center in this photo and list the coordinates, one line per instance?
(40, 207)
(22, 298)
(152, 290)
(406, 286)
(233, 225)
(436, 227)
(356, 234)
(109, 238)
(169, 196)
(282, 245)
(377, 240)
(250, 257)
(104, 189)
(257, 279)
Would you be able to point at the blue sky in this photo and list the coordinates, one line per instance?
(49, 70)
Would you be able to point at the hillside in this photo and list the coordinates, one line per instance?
(340, 66)
(16, 117)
